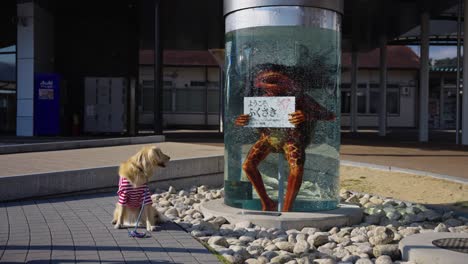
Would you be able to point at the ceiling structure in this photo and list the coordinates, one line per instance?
(364, 21)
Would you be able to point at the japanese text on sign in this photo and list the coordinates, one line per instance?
(269, 111)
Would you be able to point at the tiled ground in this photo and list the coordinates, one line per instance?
(77, 230)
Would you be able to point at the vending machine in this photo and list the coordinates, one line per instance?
(46, 104)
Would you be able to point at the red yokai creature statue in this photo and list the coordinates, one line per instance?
(278, 80)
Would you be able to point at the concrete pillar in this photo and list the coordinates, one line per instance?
(35, 48)
(424, 79)
(354, 71)
(464, 100)
(158, 67)
(383, 87)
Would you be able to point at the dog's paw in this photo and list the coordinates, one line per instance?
(151, 228)
(114, 222)
(118, 226)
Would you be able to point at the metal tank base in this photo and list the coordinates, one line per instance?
(345, 215)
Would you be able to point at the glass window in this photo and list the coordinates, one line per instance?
(374, 100)
(361, 101)
(213, 101)
(191, 101)
(8, 89)
(393, 102)
(197, 83)
(147, 99)
(345, 102)
(167, 100)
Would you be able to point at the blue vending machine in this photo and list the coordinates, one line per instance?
(46, 104)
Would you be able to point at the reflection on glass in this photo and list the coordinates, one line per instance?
(293, 168)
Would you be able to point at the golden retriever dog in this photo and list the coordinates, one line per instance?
(133, 189)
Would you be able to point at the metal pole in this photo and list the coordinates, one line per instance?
(457, 119)
(424, 75)
(158, 89)
(383, 87)
(354, 70)
(464, 100)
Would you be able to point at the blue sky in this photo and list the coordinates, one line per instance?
(438, 52)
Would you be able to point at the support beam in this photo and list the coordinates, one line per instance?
(464, 113)
(424, 79)
(383, 87)
(158, 65)
(354, 71)
(459, 29)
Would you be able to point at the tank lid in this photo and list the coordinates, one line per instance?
(234, 5)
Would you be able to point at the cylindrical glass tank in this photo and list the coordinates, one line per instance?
(282, 98)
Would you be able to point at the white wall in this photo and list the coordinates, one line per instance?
(407, 116)
(181, 78)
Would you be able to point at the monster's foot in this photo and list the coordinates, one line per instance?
(269, 205)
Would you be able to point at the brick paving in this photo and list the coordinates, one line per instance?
(77, 229)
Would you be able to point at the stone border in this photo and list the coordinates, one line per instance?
(402, 170)
(76, 144)
(419, 248)
(345, 215)
(191, 171)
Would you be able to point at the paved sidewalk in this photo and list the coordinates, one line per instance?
(77, 230)
(75, 159)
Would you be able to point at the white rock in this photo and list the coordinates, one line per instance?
(301, 237)
(390, 250)
(291, 262)
(271, 247)
(172, 190)
(280, 238)
(383, 260)
(309, 230)
(301, 247)
(292, 238)
(365, 248)
(202, 189)
(380, 235)
(198, 233)
(441, 228)
(252, 261)
(281, 259)
(324, 261)
(318, 239)
(364, 261)
(287, 246)
(218, 240)
(243, 224)
(246, 239)
(350, 258)
(164, 203)
(255, 251)
(225, 251)
(375, 200)
(340, 252)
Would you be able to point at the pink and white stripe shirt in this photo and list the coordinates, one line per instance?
(133, 196)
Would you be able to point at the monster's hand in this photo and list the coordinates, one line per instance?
(242, 120)
(296, 118)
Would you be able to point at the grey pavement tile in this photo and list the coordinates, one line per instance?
(184, 259)
(13, 257)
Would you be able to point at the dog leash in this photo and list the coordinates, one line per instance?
(134, 232)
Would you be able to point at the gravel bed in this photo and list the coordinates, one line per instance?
(374, 241)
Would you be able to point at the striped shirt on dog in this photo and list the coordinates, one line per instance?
(131, 196)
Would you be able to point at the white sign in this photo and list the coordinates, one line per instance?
(269, 111)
